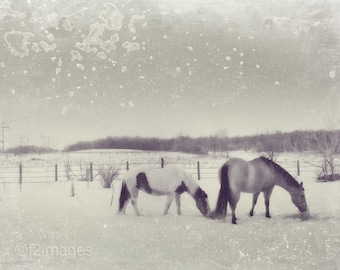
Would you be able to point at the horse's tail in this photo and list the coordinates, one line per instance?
(223, 196)
(124, 196)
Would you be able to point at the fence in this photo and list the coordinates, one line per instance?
(22, 174)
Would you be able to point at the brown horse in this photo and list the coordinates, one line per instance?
(256, 176)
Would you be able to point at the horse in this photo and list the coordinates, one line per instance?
(171, 181)
(256, 176)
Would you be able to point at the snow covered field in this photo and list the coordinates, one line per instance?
(43, 227)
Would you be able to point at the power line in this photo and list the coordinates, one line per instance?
(23, 140)
(2, 128)
(46, 141)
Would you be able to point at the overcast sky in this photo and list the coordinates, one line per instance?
(82, 70)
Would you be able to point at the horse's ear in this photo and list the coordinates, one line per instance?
(205, 195)
(301, 185)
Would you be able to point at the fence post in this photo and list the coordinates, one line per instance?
(127, 165)
(162, 163)
(298, 167)
(198, 171)
(91, 171)
(56, 172)
(20, 175)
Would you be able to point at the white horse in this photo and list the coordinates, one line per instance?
(171, 181)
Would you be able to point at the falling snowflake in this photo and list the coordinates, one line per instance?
(75, 55)
(332, 74)
(124, 69)
(71, 93)
(131, 104)
(80, 66)
(257, 66)
(63, 111)
(228, 58)
(190, 48)
(241, 54)
(101, 55)
(277, 83)
(178, 69)
(234, 49)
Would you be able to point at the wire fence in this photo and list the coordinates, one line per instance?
(89, 171)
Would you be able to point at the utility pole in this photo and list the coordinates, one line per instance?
(2, 128)
(46, 141)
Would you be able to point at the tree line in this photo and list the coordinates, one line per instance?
(221, 143)
(29, 149)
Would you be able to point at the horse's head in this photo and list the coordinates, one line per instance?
(299, 199)
(202, 203)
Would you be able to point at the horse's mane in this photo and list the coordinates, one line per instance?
(281, 171)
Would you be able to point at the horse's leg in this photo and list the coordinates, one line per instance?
(168, 203)
(234, 198)
(124, 207)
(178, 203)
(134, 198)
(267, 193)
(255, 196)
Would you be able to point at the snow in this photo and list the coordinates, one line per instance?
(42, 226)
(332, 74)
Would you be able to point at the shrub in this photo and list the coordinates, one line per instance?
(108, 173)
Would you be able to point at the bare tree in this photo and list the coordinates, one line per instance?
(221, 140)
(327, 144)
(68, 173)
(271, 146)
(108, 173)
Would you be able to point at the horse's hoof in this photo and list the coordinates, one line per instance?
(212, 215)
